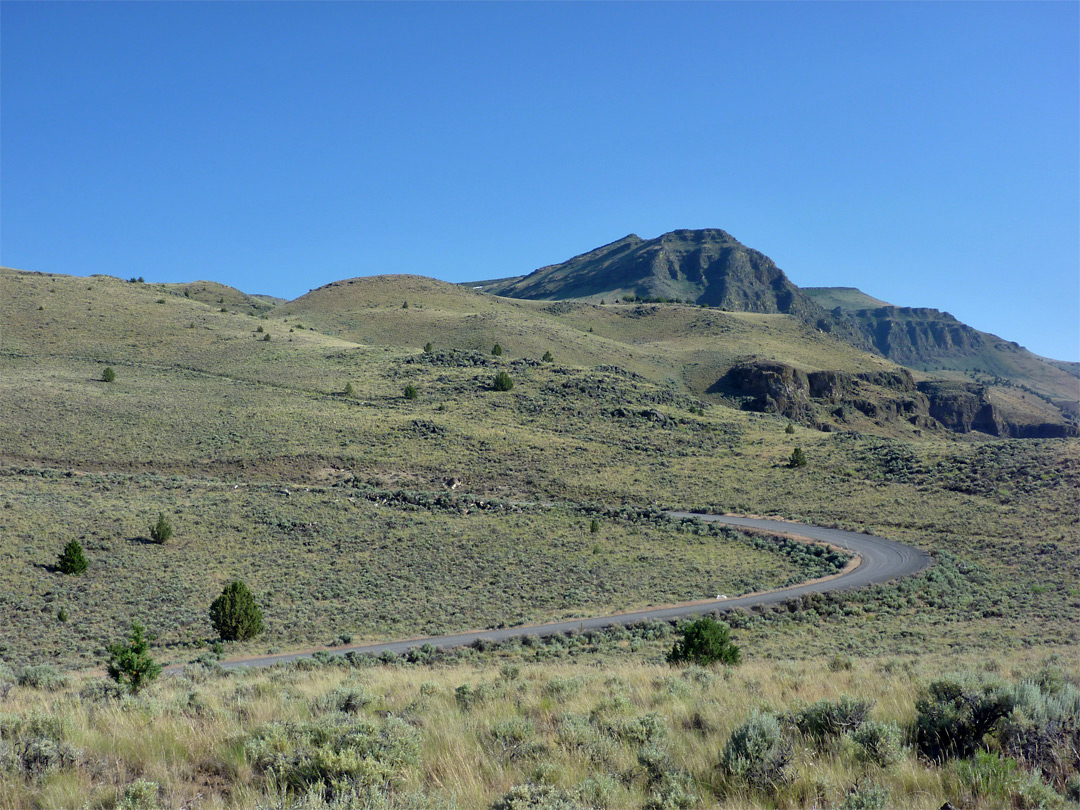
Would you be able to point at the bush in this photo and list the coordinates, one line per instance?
(108, 375)
(503, 381)
(827, 718)
(878, 743)
(757, 753)
(348, 389)
(428, 348)
(130, 663)
(538, 797)
(161, 531)
(496, 350)
(954, 714)
(594, 526)
(798, 458)
(548, 357)
(72, 560)
(704, 641)
(410, 391)
(866, 797)
(141, 794)
(42, 676)
(235, 615)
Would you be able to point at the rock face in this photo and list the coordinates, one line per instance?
(772, 387)
(912, 335)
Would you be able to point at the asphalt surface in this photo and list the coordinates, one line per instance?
(881, 561)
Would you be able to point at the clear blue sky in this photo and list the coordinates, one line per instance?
(924, 152)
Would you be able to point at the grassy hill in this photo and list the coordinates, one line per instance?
(366, 515)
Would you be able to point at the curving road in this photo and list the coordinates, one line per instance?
(880, 560)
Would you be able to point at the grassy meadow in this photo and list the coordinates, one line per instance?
(277, 439)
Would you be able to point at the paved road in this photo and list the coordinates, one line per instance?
(881, 560)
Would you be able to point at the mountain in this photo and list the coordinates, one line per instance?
(711, 268)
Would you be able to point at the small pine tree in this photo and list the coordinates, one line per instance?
(798, 458)
(503, 381)
(348, 389)
(130, 663)
(410, 391)
(789, 430)
(428, 348)
(72, 561)
(594, 526)
(404, 304)
(235, 615)
(108, 375)
(266, 336)
(705, 641)
(496, 350)
(161, 531)
(548, 357)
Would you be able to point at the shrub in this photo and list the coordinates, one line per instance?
(503, 381)
(757, 753)
(594, 526)
(410, 391)
(704, 641)
(348, 391)
(879, 743)
(954, 714)
(538, 797)
(827, 718)
(130, 663)
(108, 375)
(141, 794)
(428, 348)
(41, 676)
(798, 458)
(866, 797)
(789, 430)
(161, 531)
(548, 357)
(266, 337)
(235, 615)
(496, 350)
(72, 560)
(404, 304)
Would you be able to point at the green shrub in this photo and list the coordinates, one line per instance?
(798, 458)
(266, 337)
(594, 526)
(989, 776)
(954, 714)
(41, 676)
(410, 391)
(130, 663)
(348, 391)
(234, 614)
(829, 719)
(503, 382)
(428, 348)
(704, 641)
(161, 531)
(878, 743)
(141, 794)
(757, 753)
(866, 797)
(72, 560)
(497, 350)
(538, 797)
(1043, 729)
(108, 375)
(548, 357)
(789, 430)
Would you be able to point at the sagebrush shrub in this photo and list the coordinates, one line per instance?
(757, 753)
(954, 714)
(828, 718)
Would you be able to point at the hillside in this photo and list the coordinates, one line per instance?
(711, 268)
(284, 452)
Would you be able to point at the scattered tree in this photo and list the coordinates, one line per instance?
(108, 375)
(705, 641)
(130, 663)
(410, 391)
(72, 560)
(789, 430)
(161, 531)
(404, 304)
(428, 348)
(798, 458)
(548, 357)
(594, 526)
(235, 615)
(496, 350)
(348, 387)
(503, 381)
(266, 336)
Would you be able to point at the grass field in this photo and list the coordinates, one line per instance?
(366, 515)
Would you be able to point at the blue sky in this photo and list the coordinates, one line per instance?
(924, 152)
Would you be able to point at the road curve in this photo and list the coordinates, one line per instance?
(880, 561)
